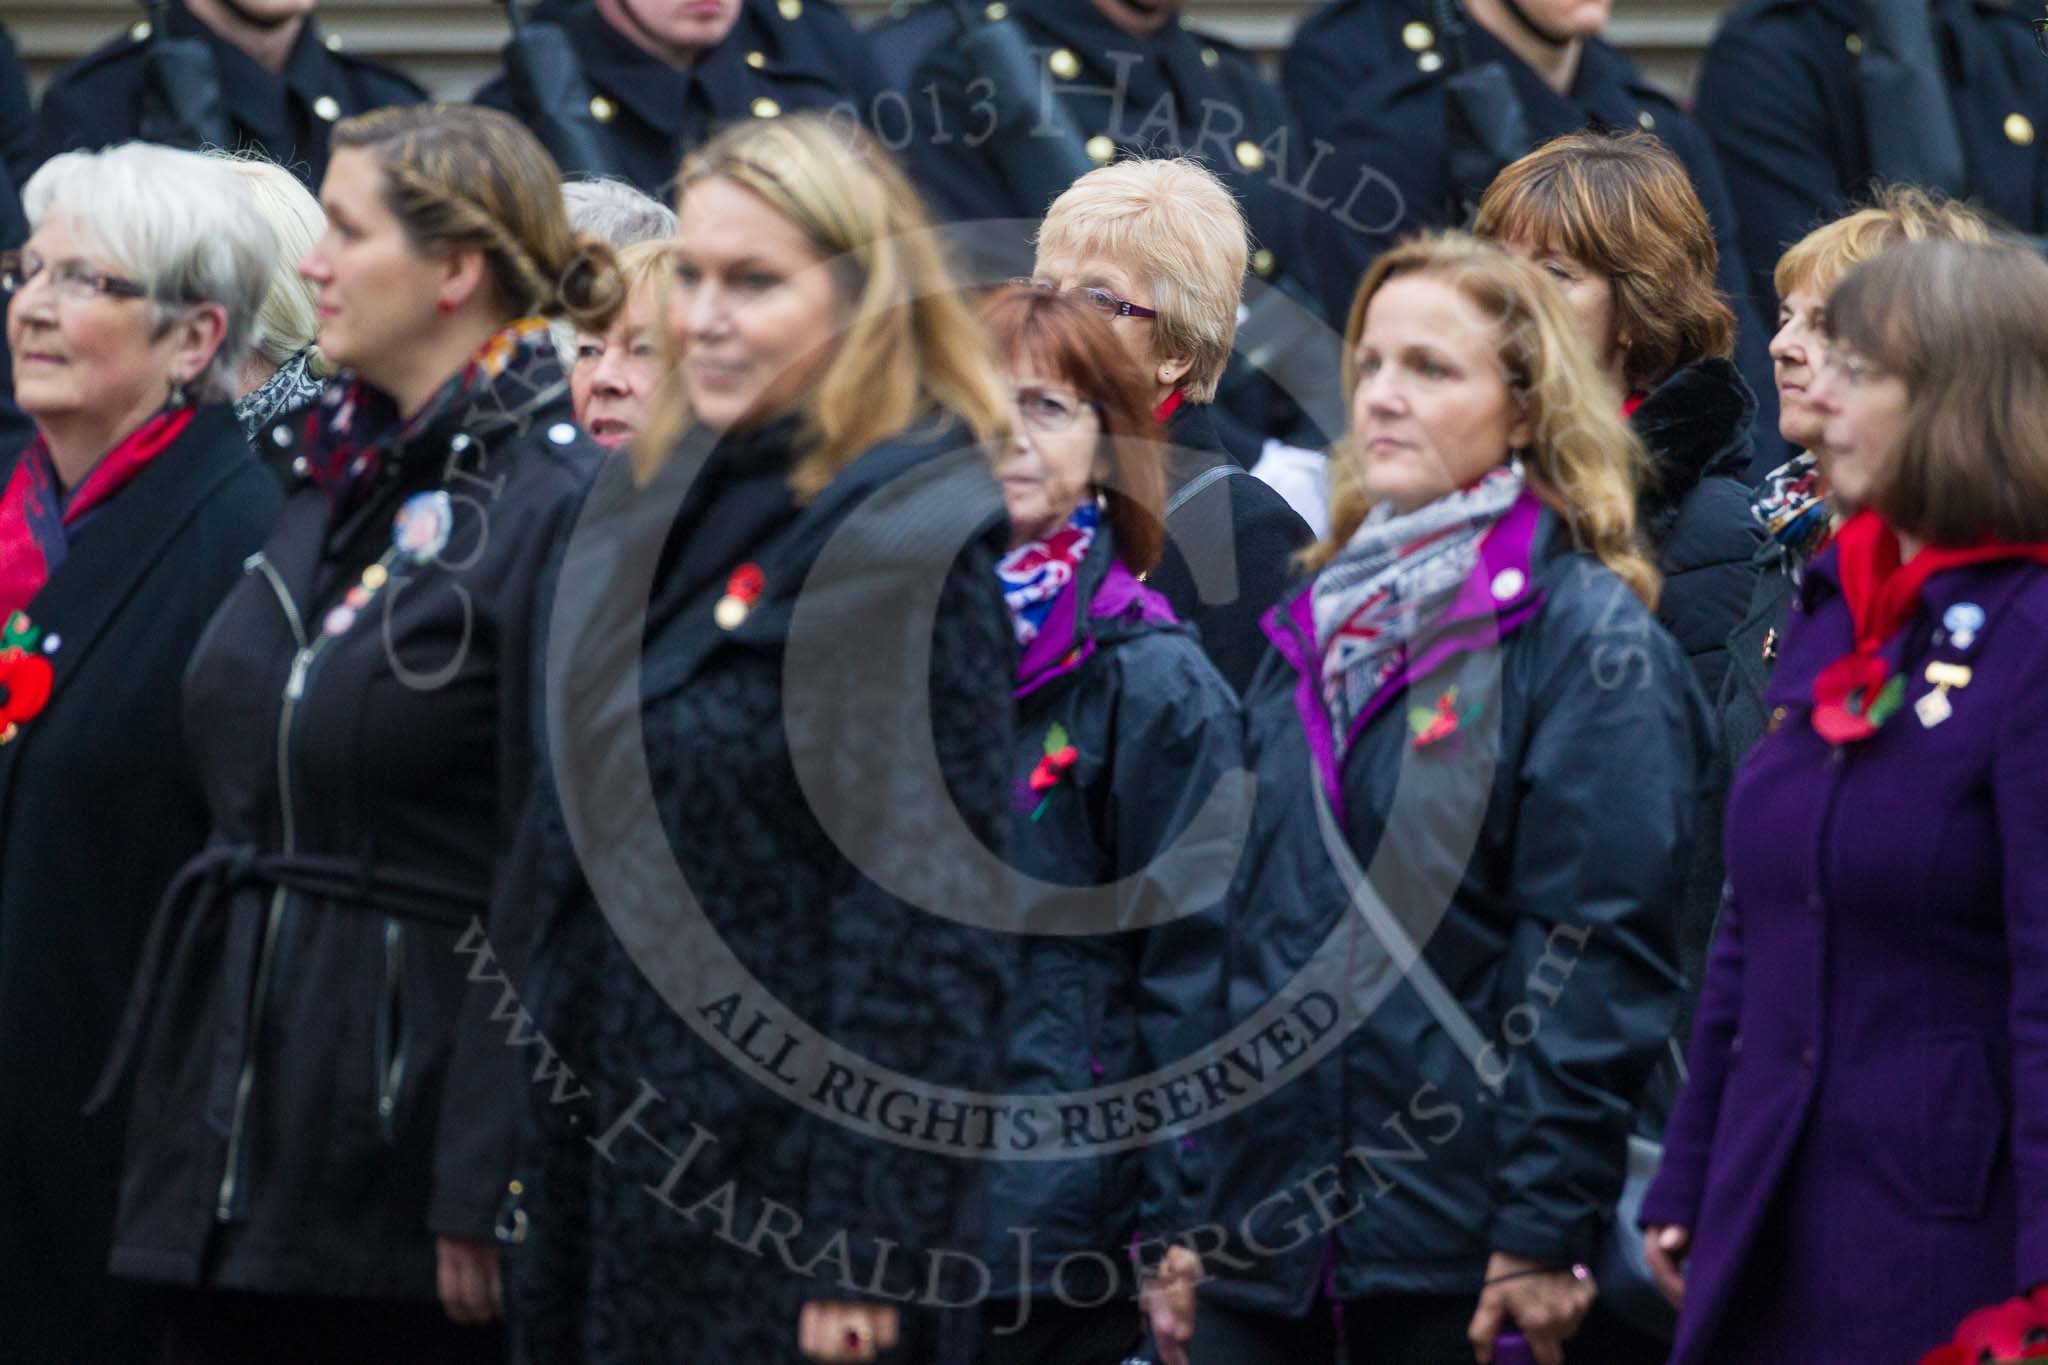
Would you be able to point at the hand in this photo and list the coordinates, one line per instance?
(467, 1275)
(1167, 1299)
(1546, 1306)
(1667, 1246)
(846, 1331)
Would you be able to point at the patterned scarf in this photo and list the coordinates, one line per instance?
(1392, 580)
(356, 427)
(37, 520)
(291, 390)
(1035, 573)
(1792, 506)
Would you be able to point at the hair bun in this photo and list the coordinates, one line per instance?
(591, 290)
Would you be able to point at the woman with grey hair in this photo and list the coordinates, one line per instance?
(281, 372)
(616, 212)
(122, 524)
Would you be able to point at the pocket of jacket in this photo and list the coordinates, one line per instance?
(1962, 1128)
(393, 1031)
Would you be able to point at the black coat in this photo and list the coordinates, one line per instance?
(1156, 730)
(1368, 78)
(17, 130)
(677, 823)
(1694, 508)
(1534, 856)
(306, 1089)
(803, 55)
(1241, 533)
(98, 100)
(1778, 96)
(1178, 92)
(98, 807)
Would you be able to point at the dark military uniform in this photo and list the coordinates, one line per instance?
(1173, 93)
(1389, 173)
(98, 99)
(781, 56)
(1779, 98)
(17, 132)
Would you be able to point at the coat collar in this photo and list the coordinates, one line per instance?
(132, 532)
(1499, 596)
(257, 99)
(1697, 424)
(1104, 605)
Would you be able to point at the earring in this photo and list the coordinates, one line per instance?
(177, 398)
(445, 305)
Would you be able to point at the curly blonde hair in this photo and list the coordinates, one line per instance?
(1582, 460)
(911, 349)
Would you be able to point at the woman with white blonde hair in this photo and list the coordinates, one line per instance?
(1476, 704)
(1159, 248)
(825, 608)
(281, 373)
(122, 525)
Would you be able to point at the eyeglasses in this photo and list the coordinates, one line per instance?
(1050, 411)
(1101, 300)
(74, 280)
(1852, 369)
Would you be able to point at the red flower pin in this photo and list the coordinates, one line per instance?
(2009, 1331)
(24, 687)
(1060, 755)
(1853, 696)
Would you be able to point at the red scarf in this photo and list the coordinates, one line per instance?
(1856, 693)
(37, 519)
(1168, 406)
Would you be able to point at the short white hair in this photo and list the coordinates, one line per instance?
(290, 316)
(180, 224)
(615, 212)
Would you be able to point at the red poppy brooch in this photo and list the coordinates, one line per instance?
(1432, 725)
(1060, 755)
(24, 673)
(2015, 1330)
(1854, 696)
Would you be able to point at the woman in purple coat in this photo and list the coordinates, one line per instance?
(1861, 1157)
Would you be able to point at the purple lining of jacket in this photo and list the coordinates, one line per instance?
(1052, 652)
(1475, 621)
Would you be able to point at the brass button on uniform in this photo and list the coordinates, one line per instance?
(1262, 262)
(791, 10)
(1429, 61)
(1417, 36)
(757, 60)
(1854, 42)
(1101, 150)
(1249, 156)
(765, 108)
(327, 108)
(602, 109)
(1646, 121)
(332, 42)
(2019, 130)
(996, 13)
(1211, 58)
(1064, 64)
(139, 31)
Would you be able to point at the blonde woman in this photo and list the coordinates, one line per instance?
(281, 373)
(614, 374)
(825, 617)
(1473, 693)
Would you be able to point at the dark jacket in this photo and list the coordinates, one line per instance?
(1156, 734)
(801, 55)
(1533, 855)
(1778, 95)
(1178, 92)
(1388, 175)
(771, 812)
(98, 807)
(98, 100)
(1866, 1102)
(307, 1120)
(1695, 507)
(17, 132)
(1230, 545)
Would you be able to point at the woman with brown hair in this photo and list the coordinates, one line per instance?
(319, 1138)
(1476, 758)
(1124, 731)
(1858, 1159)
(781, 762)
(1616, 223)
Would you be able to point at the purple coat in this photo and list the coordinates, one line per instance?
(1862, 1152)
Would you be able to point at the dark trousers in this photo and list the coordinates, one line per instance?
(1061, 1335)
(1392, 1329)
(228, 1327)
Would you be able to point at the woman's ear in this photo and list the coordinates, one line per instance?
(463, 275)
(194, 338)
(1172, 369)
